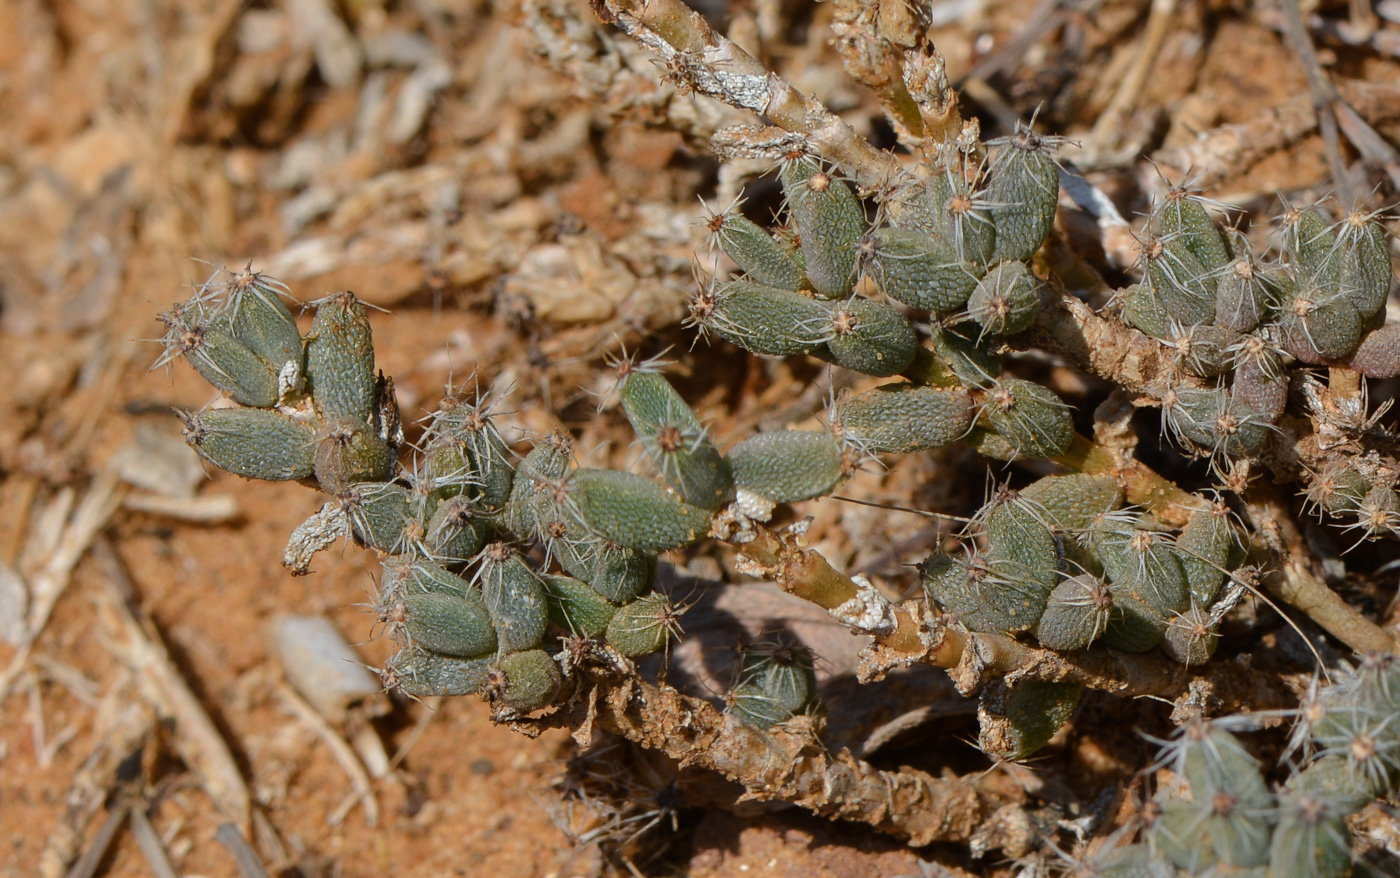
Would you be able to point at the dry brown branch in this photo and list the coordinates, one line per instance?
(1112, 120)
(1336, 428)
(1324, 95)
(1295, 582)
(1333, 112)
(1100, 346)
(883, 45)
(926, 79)
(14, 606)
(711, 65)
(430, 705)
(90, 862)
(974, 659)
(1230, 150)
(1045, 17)
(789, 764)
(786, 764)
(566, 37)
(871, 38)
(211, 509)
(981, 658)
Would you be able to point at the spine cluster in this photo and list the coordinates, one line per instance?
(1218, 814)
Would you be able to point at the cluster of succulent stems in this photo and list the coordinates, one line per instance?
(515, 574)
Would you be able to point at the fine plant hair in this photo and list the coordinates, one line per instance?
(513, 573)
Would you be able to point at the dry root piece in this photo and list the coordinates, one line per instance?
(786, 763)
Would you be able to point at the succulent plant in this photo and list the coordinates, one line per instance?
(515, 574)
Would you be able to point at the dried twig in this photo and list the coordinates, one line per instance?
(1334, 112)
(152, 848)
(1296, 584)
(1111, 121)
(345, 757)
(431, 704)
(210, 509)
(47, 584)
(121, 725)
(1069, 327)
(973, 660)
(1046, 15)
(14, 606)
(46, 747)
(1324, 95)
(1230, 150)
(243, 854)
(324, 669)
(91, 860)
(70, 678)
(1115, 234)
(1373, 147)
(134, 641)
(871, 39)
